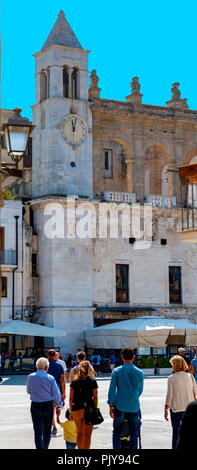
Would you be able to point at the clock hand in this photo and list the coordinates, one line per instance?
(74, 121)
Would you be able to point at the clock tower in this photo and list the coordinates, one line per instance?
(62, 140)
(61, 171)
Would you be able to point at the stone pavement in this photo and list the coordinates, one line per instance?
(16, 431)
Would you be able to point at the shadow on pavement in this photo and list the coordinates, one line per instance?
(14, 380)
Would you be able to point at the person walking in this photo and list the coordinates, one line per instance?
(57, 371)
(112, 361)
(125, 388)
(62, 362)
(181, 390)
(83, 392)
(70, 431)
(95, 361)
(69, 362)
(43, 391)
(81, 356)
(194, 368)
(181, 352)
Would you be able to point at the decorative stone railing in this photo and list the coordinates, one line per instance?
(161, 201)
(115, 196)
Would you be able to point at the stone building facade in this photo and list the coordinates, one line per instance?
(92, 154)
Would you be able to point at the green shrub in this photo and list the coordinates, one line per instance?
(146, 362)
(163, 362)
(150, 362)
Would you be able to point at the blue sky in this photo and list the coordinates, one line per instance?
(150, 39)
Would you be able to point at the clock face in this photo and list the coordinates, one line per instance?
(74, 129)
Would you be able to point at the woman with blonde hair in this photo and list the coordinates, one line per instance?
(181, 391)
(83, 392)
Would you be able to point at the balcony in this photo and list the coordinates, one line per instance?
(167, 202)
(114, 196)
(8, 258)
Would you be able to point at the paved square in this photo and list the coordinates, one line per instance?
(16, 430)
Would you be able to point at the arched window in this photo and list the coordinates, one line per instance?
(44, 84)
(193, 160)
(65, 82)
(74, 84)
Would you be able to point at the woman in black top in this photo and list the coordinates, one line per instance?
(83, 392)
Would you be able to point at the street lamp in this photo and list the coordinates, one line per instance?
(17, 131)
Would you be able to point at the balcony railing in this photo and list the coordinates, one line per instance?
(115, 196)
(8, 257)
(167, 202)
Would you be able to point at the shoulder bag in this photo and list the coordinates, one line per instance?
(92, 415)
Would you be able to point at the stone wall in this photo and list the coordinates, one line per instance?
(152, 136)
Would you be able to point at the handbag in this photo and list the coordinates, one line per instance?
(92, 416)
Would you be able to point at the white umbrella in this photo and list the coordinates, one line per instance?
(22, 328)
(150, 331)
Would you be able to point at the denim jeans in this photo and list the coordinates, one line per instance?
(71, 445)
(133, 422)
(176, 419)
(42, 417)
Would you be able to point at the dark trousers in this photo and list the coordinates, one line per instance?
(133, 422)
(42, 417)
(176, 419)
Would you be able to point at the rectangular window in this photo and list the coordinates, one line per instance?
(34, 265)
(4, 287)
(108, 164)
(175, 296)
(122, 283)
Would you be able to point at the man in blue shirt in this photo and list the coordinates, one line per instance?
(57, 371)
(125, 389)
(43, 391)
(194, 368)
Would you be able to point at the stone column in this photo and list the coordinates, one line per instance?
(138, 153)
(70, 71)
(48, 82)
(171, 189)
(37, 88)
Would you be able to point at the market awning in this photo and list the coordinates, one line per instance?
(22, 328)
(150, 331)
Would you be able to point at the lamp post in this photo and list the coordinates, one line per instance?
(17, 131)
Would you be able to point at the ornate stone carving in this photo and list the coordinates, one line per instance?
(94, 90)
(94, 79)
(176, 101)
(136, 96)
(135, 86)
(176, 94)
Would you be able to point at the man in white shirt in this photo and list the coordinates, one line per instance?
(61, 361)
